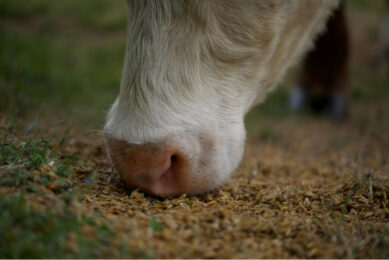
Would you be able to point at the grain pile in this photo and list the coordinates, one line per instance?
(318, 191)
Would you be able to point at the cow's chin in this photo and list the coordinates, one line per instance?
(178, 165)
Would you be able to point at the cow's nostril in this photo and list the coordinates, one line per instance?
(150, 167)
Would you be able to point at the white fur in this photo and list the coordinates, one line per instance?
(194, 68)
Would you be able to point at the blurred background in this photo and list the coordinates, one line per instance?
(61, 61)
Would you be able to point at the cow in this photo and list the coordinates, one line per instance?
(322, 84)
(192, 70)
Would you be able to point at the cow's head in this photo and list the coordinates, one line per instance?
(192, 70)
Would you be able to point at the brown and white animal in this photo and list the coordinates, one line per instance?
(322, 85)
(193, 68)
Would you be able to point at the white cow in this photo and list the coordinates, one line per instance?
(193, 68)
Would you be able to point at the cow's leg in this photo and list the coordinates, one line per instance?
(323, 81)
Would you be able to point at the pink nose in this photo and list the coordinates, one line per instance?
(154, 168)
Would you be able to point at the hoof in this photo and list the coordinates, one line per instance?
(338, 106)
(297, 98)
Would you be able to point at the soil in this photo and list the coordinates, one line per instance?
(317, 189)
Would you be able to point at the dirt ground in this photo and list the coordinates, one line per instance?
(314, 189)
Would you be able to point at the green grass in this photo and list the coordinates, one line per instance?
(366, 84)
(61, 58)
(32, 161)
(26, 232)
(366, 5)
(39, 194)
(154, 225)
